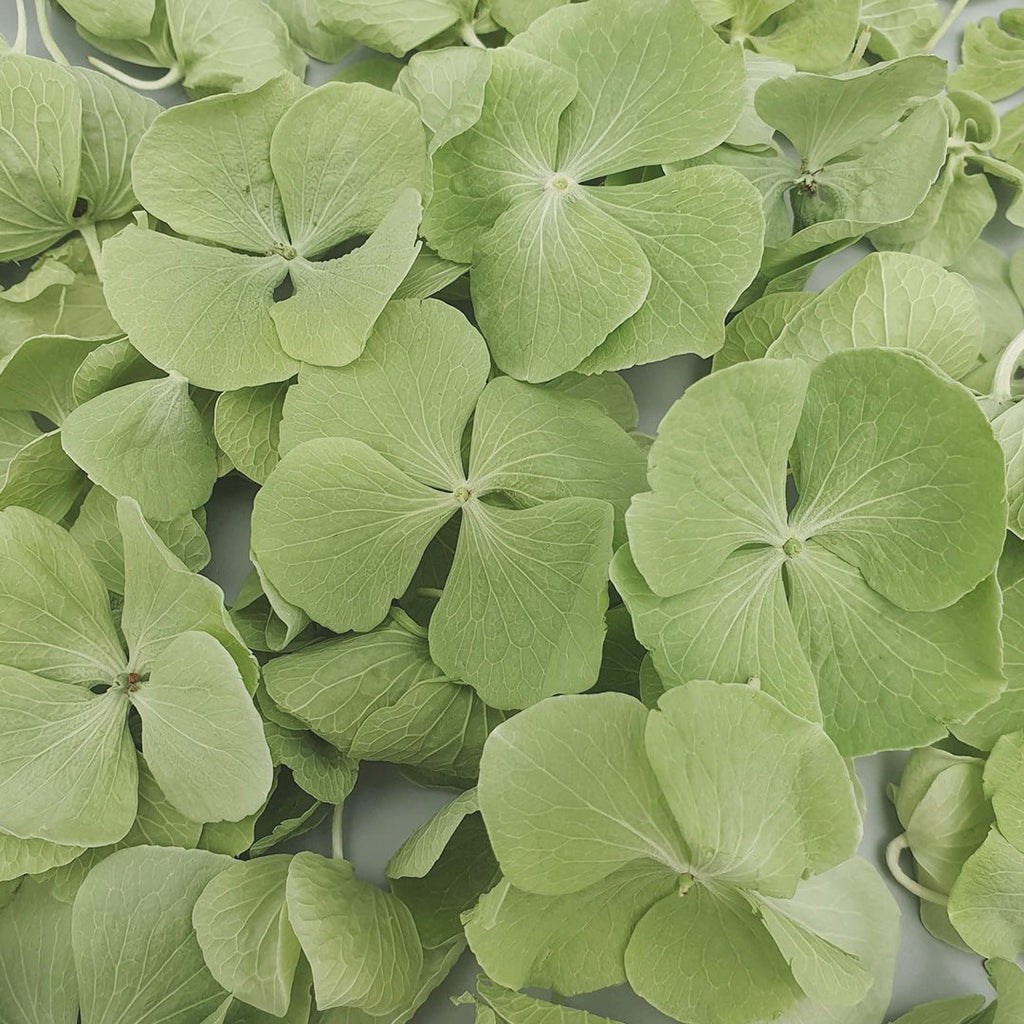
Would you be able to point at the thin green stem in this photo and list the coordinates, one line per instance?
(172, 77)
(46, 35)
(433, 593)
(955, 11)
(468, 35)
(1002, 379)
(860, 49)
(337, 838)
(401, 618)
(92, 243)
(20, 44)
(893, 852)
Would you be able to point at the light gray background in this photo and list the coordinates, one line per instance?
(385, 808)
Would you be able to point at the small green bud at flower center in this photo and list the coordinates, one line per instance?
(462, 494)
(792, 546)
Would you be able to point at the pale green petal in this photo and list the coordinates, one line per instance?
(889, 300)
(201, 735)
(145, 441)
(535, 446)
(959, 1010)
(41, 477)
(422, 850)
(889, 678)
(329, 317)
(116, 19)
(880, 487)
(899, 28)
(361, 942)
(112, 365)
(735, 628)
(750, 334)
(680, 87)
(409, 396)
(241, 923)
(992, 57)
(163, 599)
(705, 956)
(717, 472)
(40, 154)
(815, 35)
(428, 275)
(32, 857)
(986, 905)
(571, 943)
(214, 326)
(319, 768)
(141, 900)
(1003, 786)
(825, 117)
(54, 610)
(608, 392)
(303, 20)
(247, 425)
(701, 232)
(67, 771)
(158, 822)
(114, 119)
(368, 147)
(795, 812)
(518, 15)
(96, 531)
(394, 26)
(553, 278)
(339, 530)
(447, 87)
(517, 1008)
(751, 131)
(851, 908)
(569, 796)
(230, 46)
(508, 154)
(37, 972)
(522, 613)
(38, 375)
(204, 168)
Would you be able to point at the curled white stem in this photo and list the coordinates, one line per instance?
(1002, 379)
(43, 19)
(92, 243)
(893, 852)
(955, 11)
(337, 839)
(20, 44)
(173, 76)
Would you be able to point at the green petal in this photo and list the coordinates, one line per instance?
(815, 35)
(522, 614)
(32, 857)
(992, 57)
(141, 900)
(247, 428)
(96, 532)
(899, 29)
(889, 300)
(319, 768)
(735, 628)
(40, 113)
(581, 268)
(749, 334)
(409, 396)
(114, 119)
(368, 147)
(332, 913)
(242, 926)
(37, 982)
(1003, 786)
(704, 956)
(115, 19)
(67, 772)
(825, 117)
(145, 441)
(335, 304)
(163, 599)
(569, 796)
(423, 849)
(517, 1008)
(215, 326)
(507, 155)
(303, 20)
(38, 375)
(230, 47)
(395, 26)
(364, 526)
(54, 610)
(204, 168)
(201, 735)
(535, 446)
(883, 486)
(41, 477)
(681, 87)
(986, 905)
(773, 828)
(889, 678)
(524, 940)
(717, 473)
(701, 233)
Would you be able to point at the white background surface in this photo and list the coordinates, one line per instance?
(385, 808)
